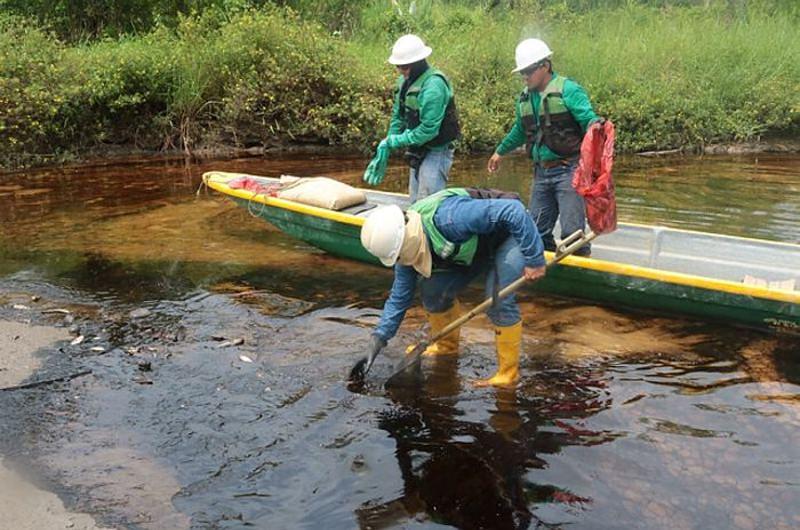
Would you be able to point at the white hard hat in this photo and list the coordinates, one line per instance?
(530, 51)
(409, 49)
(383, 232)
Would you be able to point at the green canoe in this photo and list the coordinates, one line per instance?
(735, 280)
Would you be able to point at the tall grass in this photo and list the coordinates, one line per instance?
(688, 76)
(669, 76)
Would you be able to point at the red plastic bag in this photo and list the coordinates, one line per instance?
(592, 179)
(253, 185)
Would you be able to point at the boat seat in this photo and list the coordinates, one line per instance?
(358, 209)
(783, 285)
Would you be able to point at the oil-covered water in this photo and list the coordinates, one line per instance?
(218, 349)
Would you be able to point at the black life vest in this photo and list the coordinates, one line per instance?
(449, 130)
(554, 126)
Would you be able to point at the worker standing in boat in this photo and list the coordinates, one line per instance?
(424, 121)
(450, 238)
(552, 116)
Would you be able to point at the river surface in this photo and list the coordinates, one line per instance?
(218, 349)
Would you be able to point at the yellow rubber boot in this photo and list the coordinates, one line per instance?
(508, 341)
(447, 345)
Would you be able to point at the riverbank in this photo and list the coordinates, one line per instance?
(25, 506)
(269, 77)
(113, 156)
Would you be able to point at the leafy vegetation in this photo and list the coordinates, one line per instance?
(193, 73)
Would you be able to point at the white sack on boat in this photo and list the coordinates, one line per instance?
(322, 192)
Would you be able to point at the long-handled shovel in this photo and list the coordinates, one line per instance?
(567, 247)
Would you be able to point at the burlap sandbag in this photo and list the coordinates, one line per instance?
(322, 192)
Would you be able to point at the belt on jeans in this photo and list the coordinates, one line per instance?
(549, 164)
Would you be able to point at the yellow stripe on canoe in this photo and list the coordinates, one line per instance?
(678, 278)
(217, 180)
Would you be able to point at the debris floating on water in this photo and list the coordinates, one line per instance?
(139, 313)
(77, 340)
(359, 463)
(235, 342)
(56, 310)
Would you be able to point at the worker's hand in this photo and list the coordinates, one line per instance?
(494, 163)
(534, 273)
(372, 175)
(377, 167)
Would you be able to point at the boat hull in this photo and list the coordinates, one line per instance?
(662, 297)
(582, 278)
(337, 238)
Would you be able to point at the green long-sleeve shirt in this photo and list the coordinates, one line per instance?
(433, 100)
(577, 102)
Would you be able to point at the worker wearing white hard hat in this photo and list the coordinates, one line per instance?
(444, 242)
(552, 115)
(424, 121)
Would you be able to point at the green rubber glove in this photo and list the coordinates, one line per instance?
(372, 175)
(395, 141)
(377, 167)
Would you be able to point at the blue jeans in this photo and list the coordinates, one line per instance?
(440, 290)
(431, 176)
(553, 196)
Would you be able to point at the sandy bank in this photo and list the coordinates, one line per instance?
(24, 506)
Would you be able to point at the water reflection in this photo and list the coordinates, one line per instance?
(463, 470)
(749, 195)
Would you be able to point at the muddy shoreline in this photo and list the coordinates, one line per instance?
(118, 154)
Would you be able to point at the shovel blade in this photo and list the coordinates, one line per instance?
(408, 368)
(409, 377)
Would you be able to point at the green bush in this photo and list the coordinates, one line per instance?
(121, 91)
(56, 100)
(76, 20)
(268, 76)
(258, 78)
(30, 68)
